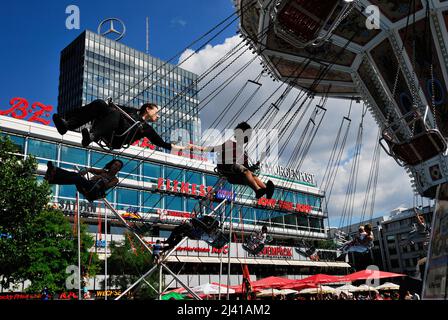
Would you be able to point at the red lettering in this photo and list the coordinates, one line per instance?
(160, 183)
(175, 186)
(37, 114)
(168, 185)
(185, 187)
(202, 190)
(18, 105)
(209, 191)
(193, 189)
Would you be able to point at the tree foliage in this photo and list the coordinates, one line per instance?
(129, 260)
(37, 242)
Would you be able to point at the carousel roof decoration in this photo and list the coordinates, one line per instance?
(399, 69)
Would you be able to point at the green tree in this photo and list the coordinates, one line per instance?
(129, 260)
(37, 243)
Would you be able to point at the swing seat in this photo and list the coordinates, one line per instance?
(206, 228)
(306, 252)
(95, 193)
(254, 244)
(420, 148)
(359, 248)
(217, 240)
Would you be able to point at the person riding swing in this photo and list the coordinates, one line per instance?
(117, 126)
(256, 242)
(233, 162)
(92, 189)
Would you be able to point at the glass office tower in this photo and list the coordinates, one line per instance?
(94, 67)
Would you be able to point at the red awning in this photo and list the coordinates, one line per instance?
(371, 274)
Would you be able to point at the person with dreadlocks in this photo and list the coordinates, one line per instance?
(112, 126)
(233, 161)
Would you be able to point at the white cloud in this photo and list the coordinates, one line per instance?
(178, 22)
(393, 188)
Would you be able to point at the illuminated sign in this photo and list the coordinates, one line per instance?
(20, 296)
(164, 214)
(276, 252)
(284, 205)
(176, 186)
(288, 173)
(69, 206)
(21, 109)
(225, 194)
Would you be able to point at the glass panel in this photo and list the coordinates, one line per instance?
(193, 177)
(191, 204)
(74, 155)
(174, 203)
(41, 149)
(151, 170)
(18, 141)
(99, 160)
(151, 200)
(67, 191)
(126, 198)
(211, 180)
(174, 174)
(290, 219)
(302, 221)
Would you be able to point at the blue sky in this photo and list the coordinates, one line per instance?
(33, 34)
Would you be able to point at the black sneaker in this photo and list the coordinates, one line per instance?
(86, 140)
(269, 189)
(260, 192)
(60, 124)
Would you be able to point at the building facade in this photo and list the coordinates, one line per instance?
(161, 190)
(95, 67)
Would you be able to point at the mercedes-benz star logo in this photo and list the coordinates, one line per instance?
(112, 30)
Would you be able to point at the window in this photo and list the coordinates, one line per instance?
(316, 225)
(151, 200)
(394, 263)
(192, 204)
(18, 141)
(151, 170)
(127, 197)
(99, 160)
(174, 174)
(193, 177)
(174, 203)
(41, 149)
(67, 191)
(74, 155)
(211, 180)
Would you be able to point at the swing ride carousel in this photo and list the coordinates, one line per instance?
(391, 54)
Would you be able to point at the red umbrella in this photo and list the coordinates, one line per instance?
(322, 278)
(297, 285)
(371, 274)
(271, 282)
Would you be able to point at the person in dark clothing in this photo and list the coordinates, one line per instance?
(111, 126)
(194, 229)
(93, 188)
(233, 162)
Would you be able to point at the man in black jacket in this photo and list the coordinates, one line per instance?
(110, 125)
